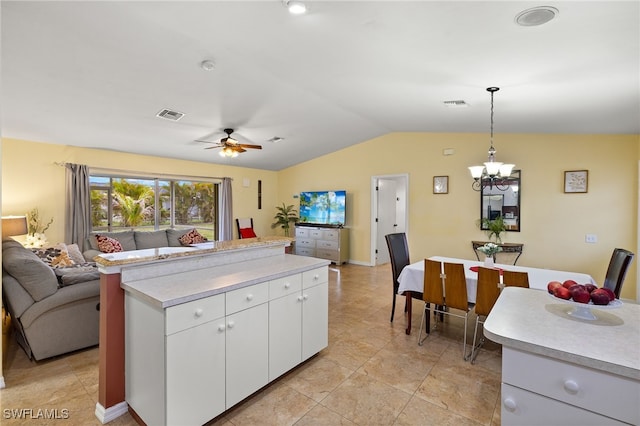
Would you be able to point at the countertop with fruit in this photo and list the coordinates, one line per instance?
(536, 321)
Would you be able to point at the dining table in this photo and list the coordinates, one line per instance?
(411, 279)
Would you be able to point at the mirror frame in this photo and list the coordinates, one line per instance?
(514, 178)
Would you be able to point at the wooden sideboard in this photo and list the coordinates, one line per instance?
(513, 249)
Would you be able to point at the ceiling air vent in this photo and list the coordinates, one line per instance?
(170, 115)
(456, 104)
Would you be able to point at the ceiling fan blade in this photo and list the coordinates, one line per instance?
(212, 147)
(238, 148)
(244, 145)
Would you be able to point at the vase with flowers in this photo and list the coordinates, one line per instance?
(489, 250)
(36, 229)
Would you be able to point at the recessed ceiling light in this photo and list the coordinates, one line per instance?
(169, 114)
(536, 16)
(275, 139)
(295, 7)
(207, 65)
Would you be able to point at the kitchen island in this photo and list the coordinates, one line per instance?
(174, 280)
(558, 369)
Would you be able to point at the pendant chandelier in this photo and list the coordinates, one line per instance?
(493, 173)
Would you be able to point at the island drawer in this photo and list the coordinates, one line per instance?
(189, 314)
(247, 297)
(286, 285)
(315, 277)
(576, 385)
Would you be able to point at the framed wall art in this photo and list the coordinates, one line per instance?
(441, 184)
(576, 181)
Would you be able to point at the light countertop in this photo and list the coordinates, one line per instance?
(533, 321)
(173, 289)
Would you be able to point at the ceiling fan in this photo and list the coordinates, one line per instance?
(230, 146)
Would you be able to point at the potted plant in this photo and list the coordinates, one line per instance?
(285, 215)
(494, 227)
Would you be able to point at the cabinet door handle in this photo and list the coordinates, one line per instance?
(571, 386)
(221, 327)
(305, 296)
(299, 298)
(230, 324)
(249, 297)
(510, 405)
(316, 277)
(198, 313)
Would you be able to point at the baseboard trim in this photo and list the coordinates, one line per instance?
(105, 415)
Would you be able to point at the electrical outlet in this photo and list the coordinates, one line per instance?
(591, 238)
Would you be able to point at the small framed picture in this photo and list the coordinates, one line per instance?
(576, 181)
(441, 184)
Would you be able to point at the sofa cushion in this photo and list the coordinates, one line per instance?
(173, 236)
(75, 254)
(192, 237)
(69, 276)
(125, 238)
(153, 239)
(108, 244)
(32, 273)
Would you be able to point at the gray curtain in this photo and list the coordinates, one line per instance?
(225, 224)
(78, 205)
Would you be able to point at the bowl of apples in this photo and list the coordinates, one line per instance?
(583, 297)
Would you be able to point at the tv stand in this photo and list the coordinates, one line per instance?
(322, 241)
(319, 225)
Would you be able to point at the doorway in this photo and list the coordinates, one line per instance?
(389, 212)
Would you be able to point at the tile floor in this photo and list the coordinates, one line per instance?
(372, 373)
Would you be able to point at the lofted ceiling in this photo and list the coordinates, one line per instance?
(95, 74)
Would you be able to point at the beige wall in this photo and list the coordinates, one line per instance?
(554, 224)
(31, 179)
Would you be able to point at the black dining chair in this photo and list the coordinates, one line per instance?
(399, 254)
(617, 270)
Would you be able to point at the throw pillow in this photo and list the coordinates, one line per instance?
(47, 254)
(247, 233)
(192, 237)
(75, 254)
(62, 260)
(108, 244)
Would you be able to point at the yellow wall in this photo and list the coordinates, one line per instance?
(553, 224)
(31, 179)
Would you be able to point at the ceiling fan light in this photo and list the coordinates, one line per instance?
(476, 171)
(296, 7)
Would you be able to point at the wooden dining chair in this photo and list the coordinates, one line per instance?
(487, 293)
(455, 296)
(432, 294)
(399, 255)
(515, 279)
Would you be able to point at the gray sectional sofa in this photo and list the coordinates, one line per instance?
(56, 310)
(51, 313)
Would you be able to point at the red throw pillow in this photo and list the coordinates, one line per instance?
(192, 237)
(247, 233)
(108, 244)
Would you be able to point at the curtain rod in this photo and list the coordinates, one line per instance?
(142, 174)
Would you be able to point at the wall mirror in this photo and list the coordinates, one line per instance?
(500, 197)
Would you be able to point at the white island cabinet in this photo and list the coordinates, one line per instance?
(198, 342)
(561, 370)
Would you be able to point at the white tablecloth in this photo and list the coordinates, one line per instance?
(412, 276)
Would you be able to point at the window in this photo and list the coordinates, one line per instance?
(119, 203)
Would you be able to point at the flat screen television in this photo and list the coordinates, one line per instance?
(325, 208)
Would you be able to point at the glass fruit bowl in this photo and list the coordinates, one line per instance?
(583, 310)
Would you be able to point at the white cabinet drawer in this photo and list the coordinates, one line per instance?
(304, 242)
(315, 277)
(330, 234)
(326, 244)
(190, 314)
(522, 408)
(315, 233)
(302, 233)
(247, 297)
(283, 286)
(611, 395)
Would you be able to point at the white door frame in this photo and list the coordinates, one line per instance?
(402, 179)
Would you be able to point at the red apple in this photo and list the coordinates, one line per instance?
(610, 292)
(568, 283)
(562, 293)
(580, 295)
(600, 297)
(576, 286)
(553, 285)
(590, 287)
